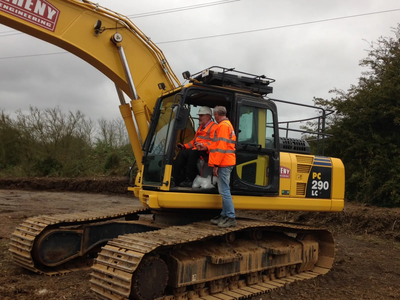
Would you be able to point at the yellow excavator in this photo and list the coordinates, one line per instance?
(168, 249)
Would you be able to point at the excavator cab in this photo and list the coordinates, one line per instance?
(254, 119)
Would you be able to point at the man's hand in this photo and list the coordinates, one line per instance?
(180, 146)
(215, 171)
(200, 146)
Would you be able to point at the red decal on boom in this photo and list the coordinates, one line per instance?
(38, 12)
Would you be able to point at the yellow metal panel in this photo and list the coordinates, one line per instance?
(337, 204)
(281, 203)
(167, 177)
(285, 180)
(135, 190)
(338, 183)
(142, 118)
(149, 198)
(153, 201)
(214, 201)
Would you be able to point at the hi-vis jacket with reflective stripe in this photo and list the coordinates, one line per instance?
(222, 151)
(203, 135)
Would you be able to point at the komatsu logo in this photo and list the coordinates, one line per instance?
(38, 12)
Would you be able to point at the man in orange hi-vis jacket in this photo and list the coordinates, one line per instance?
(222, 158)
(191, 152)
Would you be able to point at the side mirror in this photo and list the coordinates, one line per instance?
(182, 119)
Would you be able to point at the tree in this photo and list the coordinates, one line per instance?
(366, 127)
(10, 146)
(50, 142)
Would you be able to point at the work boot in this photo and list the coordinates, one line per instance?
(217, 219)
(186, 183)
(228, 222)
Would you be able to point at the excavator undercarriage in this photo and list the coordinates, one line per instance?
(200, 260)
(150, 260)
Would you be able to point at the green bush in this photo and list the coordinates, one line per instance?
(47, 167)
(51, 143)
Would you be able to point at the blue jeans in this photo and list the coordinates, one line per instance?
(223, 179)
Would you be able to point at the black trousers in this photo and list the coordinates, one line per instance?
(185, 165)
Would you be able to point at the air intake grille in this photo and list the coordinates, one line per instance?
(304, 159)
(300, 189)
(303, 169)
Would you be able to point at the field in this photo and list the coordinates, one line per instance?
(367, 264)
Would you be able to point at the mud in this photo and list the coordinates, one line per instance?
(367, 264)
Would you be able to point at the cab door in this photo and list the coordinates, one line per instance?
(257, 149)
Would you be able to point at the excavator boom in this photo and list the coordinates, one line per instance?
(69, 24)
(108, 41)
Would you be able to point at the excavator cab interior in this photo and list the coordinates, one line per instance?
(174, 121)
(253, 118)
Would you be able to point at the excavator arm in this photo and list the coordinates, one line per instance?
(108, 41)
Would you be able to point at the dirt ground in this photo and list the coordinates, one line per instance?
(367, 264)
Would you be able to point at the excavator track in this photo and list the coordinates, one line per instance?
(28, 233)
(167, 264)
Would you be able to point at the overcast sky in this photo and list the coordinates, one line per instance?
(305, 56)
